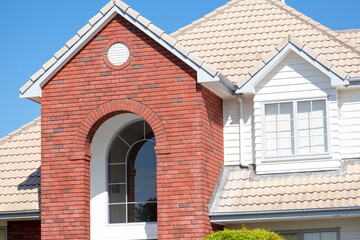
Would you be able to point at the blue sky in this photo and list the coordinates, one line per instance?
(32, 31)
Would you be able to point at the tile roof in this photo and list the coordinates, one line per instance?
(81, 34)
(20, 169)
(241, 190)
(237, 36)
(352, 35)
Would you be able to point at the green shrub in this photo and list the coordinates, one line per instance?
(244, 234)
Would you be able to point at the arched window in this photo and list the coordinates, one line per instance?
(131, 171)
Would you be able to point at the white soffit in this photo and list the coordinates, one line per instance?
(204, 72)
(249, 87)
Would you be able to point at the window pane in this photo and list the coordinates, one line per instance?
(148, 131)
(285, 146)
(286, 112)
(132, 175)
(117, 213)
(312, 127)
(328, 236)
(318, 109)
(117, 193)
(2, 234)
(279, 129)
(142, 212)
(312, 236)
(134, 132)
(118, 151)
(145, 179)
(117, 173)
(304, 109)
(290, 236)
(271, 111)
(304, 145)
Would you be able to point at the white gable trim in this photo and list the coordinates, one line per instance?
(249, 87)
(204, 76)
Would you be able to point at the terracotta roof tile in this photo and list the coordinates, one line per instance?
(256, 27)
(241, 190)
(352, 35)
(20, 169)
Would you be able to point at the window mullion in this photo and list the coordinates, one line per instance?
(296, 130)
(126, 187)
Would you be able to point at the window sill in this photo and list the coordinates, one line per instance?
(297, 158)
(125, 231)
(303, 164)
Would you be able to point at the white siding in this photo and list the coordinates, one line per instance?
(349, 102)
(294, 78)
(349, 227)
(231, 132)
(248, 130)
(234, 149)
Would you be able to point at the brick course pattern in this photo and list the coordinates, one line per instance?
(26, 230)
(185, 117)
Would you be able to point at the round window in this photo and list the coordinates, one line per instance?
(118, 54)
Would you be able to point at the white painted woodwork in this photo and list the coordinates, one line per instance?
(295, 79)
(231, 119)
(349, 227)
(292, 79)
(349, 104)
(100, 227)
(118, 54)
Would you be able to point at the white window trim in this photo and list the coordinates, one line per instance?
(100, 228)
(295, 156)
(302, 231)
(126, 182)
(5, 229)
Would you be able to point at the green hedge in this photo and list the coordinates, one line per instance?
(244, 234)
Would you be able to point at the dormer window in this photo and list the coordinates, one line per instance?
(295, 128)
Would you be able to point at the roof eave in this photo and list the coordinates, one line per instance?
(206, 74)
(337, 78)
(23, 214)
(260, 216)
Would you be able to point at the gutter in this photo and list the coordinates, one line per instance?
(224, 80)
(27, 214)
(354, 79)
(227, 217)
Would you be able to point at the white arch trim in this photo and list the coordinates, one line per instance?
(99, 225)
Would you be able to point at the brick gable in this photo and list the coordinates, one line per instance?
(190, 117)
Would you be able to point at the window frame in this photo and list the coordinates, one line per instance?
(317, 230)
(296, 154)
(5, 230)
(116, 135)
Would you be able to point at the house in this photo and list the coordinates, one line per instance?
(248, 116)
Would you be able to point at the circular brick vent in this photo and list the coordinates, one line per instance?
(118, 54)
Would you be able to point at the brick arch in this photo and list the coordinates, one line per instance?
(88, 127)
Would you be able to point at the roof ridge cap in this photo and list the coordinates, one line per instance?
(308, 20)
(203, 19)
(22, 128)
(347, 30)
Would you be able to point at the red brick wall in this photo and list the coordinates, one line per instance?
(26, 230)
(186, 115)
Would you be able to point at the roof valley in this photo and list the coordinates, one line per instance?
(307, 20)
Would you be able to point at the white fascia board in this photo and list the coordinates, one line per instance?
(35, 89)
(276, 215)
(249, 87)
